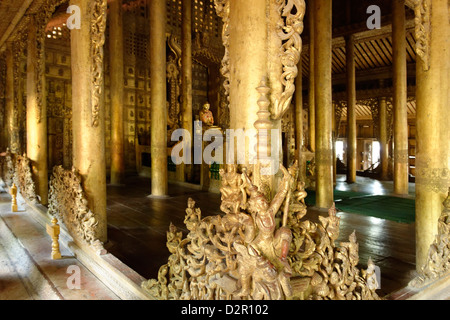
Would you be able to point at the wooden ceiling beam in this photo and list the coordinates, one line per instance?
(373, 74)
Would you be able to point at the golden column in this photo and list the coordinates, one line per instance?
(299, 121)
(248, 57)
(323, 100)
(433, 135)
(88, 114)
(36, 117)
(351, 109)
(311, 91)
(384, 148)
(116, 89)
(186, 76)
(400, 95)
(157, 14)
(9, 95)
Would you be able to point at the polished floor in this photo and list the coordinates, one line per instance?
(137, 226)
(27, 271)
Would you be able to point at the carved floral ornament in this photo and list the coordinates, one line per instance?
(438, 261)
(422, 12)
(98, 27)
(289, 29)
(260, 249)
(68, 202)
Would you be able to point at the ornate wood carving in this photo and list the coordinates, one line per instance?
(338, 107)
(174, 79)
(68, 202)
(374, 109)
(422, 11)
(24, 179)
(289, 29)
(438, 260)
(43, 16)
(260, 249)
(223, 11)
(98, 27)
(8, 168)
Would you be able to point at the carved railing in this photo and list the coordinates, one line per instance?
(437, 264)
(68, 202)
(23, 178)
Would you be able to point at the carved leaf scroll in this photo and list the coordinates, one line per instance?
(68, 202)
(289, 29)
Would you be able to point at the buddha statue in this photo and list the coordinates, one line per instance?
(206, 115)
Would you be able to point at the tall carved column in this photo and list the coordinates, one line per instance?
(433, 112)
(400, 96)
(88, 114)
(117, 91)
(186, 75)
(9, 97)
(36, 118)
(159, 174)
(351, 109)
(384, 139)
(311, 90)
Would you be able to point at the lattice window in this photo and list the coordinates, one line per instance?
(174, 15)
(205, 18)
(136, 45)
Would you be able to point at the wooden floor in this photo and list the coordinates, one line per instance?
(137, 228)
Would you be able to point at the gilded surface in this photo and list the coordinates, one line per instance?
(422, 10)
(289, 29)
(23, 178)
(260, 249)
(43, 16)
(98, 26)
(223, 11)
(438, 260)
(68, 202)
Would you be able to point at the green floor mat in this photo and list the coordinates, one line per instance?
(384, 207)
(338, 196)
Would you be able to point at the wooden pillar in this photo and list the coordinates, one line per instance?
(351, 109)
(384, 148)
(117, 91)
(311, 91)
(433, 134)
(248, 51)
(36, 118)
(299, 121)
(9, 96)
(186, 82)
(88, 114)
(323, 100)
(400, 96)
(159, 174)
